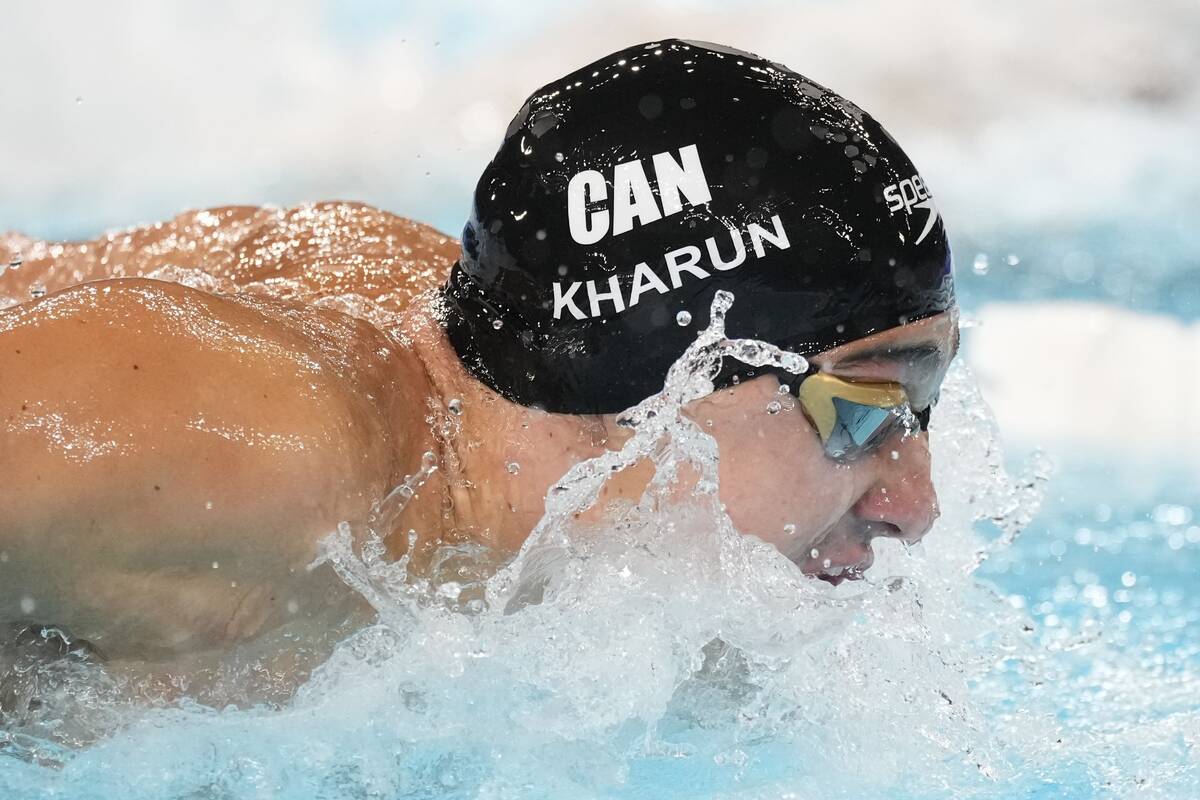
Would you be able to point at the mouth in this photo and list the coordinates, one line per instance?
(840, 561)
(835, 575)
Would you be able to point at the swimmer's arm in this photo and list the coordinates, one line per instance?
(169, 460)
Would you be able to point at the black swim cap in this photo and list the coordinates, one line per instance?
(636, 187)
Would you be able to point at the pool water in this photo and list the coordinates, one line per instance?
(1110, 589)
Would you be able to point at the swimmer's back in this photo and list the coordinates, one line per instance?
(305, 253)
(169, 457)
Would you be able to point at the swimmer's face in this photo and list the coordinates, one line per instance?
(778, 483)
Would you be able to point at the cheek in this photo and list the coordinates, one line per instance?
(774, 475)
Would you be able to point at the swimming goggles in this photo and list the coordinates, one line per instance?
(853, 418)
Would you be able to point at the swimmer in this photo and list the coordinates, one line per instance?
(172, 455)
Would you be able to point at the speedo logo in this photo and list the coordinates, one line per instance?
(633, 200)
(908, 194)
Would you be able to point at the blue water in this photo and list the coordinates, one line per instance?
(1111, 588)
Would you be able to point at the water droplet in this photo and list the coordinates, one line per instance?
(895, 455)
(37, 290)
(827, 563)
(774, 407)
(784, 388)
(794, 363)
(497, 324)
(1128, 579)
(78, 100)
(455, 406)
(790, 528)
(16, 260)
(980, 266)
(208, 505)
(814, 552)
(513, 467)
(1012, 259)
(683, 318)
(292, 606)
(27, 605)
(216, 565)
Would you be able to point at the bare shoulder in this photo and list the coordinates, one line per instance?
(337, 248)
(305, 253)
(193, 240)
(149, 431)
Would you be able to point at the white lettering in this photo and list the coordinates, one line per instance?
(678, 261)
(613, 294)
(587, 186)
(632, 197)
(633, 200)
(777, 238)
(674, 265)
(894, 200)
(562, 301)
(714, 255)
(920, 187)
(909, 193)
(644, 280)
(686, 175)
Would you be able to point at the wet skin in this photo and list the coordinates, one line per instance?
(170, 458)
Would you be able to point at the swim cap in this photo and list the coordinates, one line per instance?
(635, 188)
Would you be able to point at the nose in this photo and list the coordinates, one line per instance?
(902, 500)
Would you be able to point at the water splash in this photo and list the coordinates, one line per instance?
(664, 633)
(657, 652)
